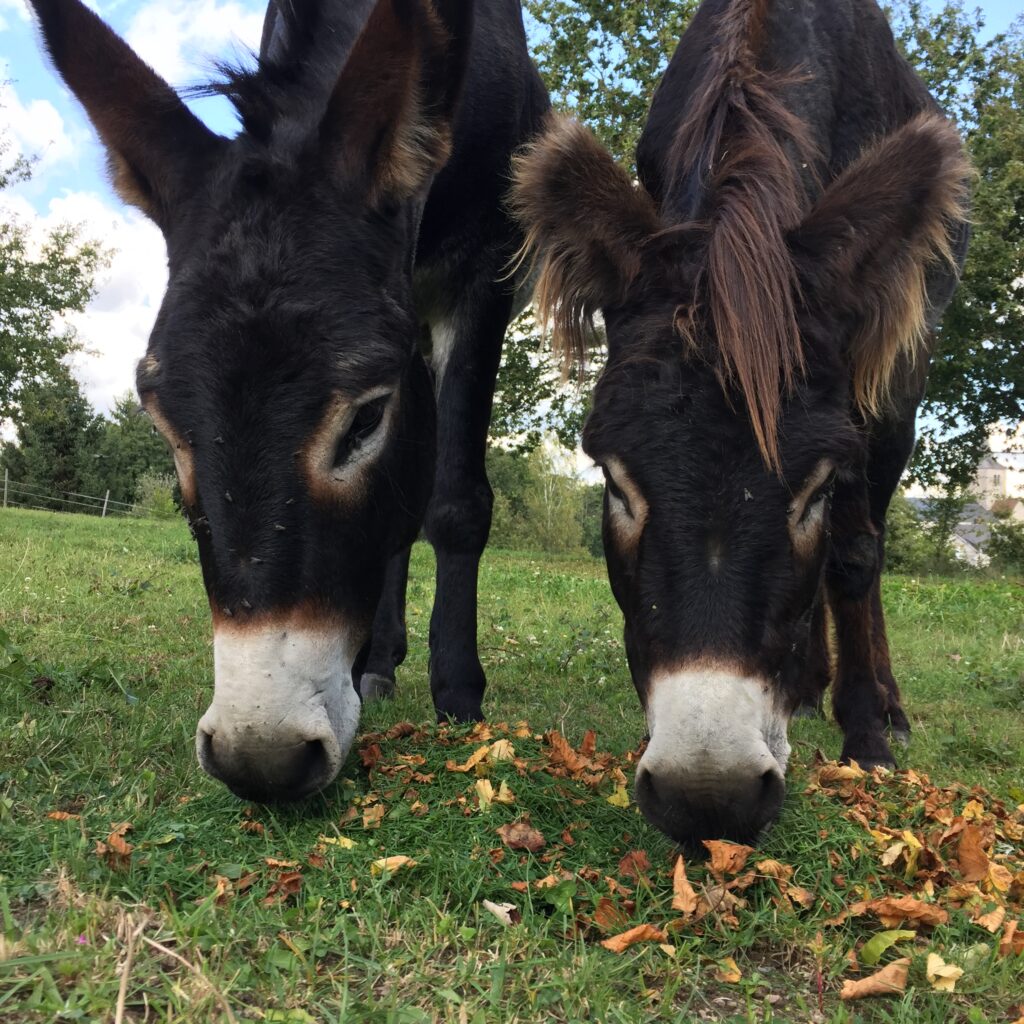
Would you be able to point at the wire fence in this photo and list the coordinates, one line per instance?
(21, 495)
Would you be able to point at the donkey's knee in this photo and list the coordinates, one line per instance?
(853, 565)
(460, 523)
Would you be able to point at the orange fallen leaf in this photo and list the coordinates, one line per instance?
(474, 759)
(63, 816)
(889, 981)
(993, 920)
(116, 851)
(641, 933)
(971, 857)
(684, 899)
(893, 911)
(608, 915)
(728, 972)
(1012, 941)
(392, 864)
(727, 858)
(373, 815)
(635, 864)
(521, 835)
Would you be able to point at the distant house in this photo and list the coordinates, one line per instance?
(999, 476)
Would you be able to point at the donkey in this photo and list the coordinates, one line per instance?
(770, 291)
(335, 311)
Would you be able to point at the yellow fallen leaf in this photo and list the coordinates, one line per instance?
(728, 972)
(475, 758)
(667, 948)
(889, 981)
(502, 750)
(343, 841)
(684, 898)
(620, 798)
(942, 976)
(392, 864)
(504, 795)
(373, 816)
(484, 793)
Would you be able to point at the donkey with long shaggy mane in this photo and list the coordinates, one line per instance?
(770, 292)
(335, 311)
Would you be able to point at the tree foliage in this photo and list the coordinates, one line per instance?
(41, 282)
(602, 59)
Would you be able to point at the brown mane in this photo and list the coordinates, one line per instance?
(734, 138)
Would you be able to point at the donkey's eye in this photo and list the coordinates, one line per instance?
(816, 504)
(364, 425)
(615, 491)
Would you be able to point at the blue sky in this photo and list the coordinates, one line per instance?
(39, 118)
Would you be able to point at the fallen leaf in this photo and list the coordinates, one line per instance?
(728, 972)
(343, 841)
(1012, 942)
(727, 858)
(889, 981)
(273, 862)
(635, 864)
(507, 913)
(619, 798)
(373, 815)
(774, 869)
(893, 911)
(474, 759)
(369, 756)
(502, 750)
(641, 933)
(971, 857)
(392, 864)
(504, 795)
(942, 976)
(62, 816)
(520, 835)
(288, 883)
(116, 851)
(993, 920)
(484, 794)
(872, 950)
(684, 899)
(608, 915)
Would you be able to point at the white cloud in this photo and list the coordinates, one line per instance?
(178, 38)
(114, 328)
(34, 128)
(19, 7)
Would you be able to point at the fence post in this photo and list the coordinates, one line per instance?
(6, 471)
(106, 498)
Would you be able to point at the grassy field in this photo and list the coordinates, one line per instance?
(105, 668)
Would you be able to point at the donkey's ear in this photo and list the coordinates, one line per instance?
(388, 125)
(585, 224)
(865, 249)
(156, 147)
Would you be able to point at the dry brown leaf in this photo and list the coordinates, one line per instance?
(893, 911)
(63, 816)
(392, 864)
(971, 856)
(993, 920)
(774, 869)
(521, 835)
(684, 899)
(373, 815)
(502, 750)
(635, 864)
(641, 933)
(891, 980)
(288, 884)
(1012, 941)
(273, 862)
(484, 794)
(116, 851)
(369, 755)
(609, 916)
(727, 858)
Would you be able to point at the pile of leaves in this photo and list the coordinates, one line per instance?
(921, 855)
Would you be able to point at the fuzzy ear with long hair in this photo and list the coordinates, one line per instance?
(388, 126)
(157, 148)
(865, 249)
(585, 225)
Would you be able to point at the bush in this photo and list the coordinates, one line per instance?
(908, 549)
(155, 495)
(1006, 546)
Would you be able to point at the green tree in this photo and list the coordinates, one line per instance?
(908, 549)
(602, 59)
(128, 448)
(41, 281)
(58, 433)
(1006, 546)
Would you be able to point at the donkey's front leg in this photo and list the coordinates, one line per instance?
(859, 698)
(388, 643)
(467, 349)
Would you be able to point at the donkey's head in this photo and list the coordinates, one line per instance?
(283, 367)
(719, 450)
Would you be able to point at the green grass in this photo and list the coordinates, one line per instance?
(112, 615)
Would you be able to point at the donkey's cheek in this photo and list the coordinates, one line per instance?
(284, 711)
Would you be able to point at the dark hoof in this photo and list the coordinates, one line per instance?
(900, 736)
(899, 727)
(869, 750)
(374, 687)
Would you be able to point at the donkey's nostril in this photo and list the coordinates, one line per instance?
(314, 764)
